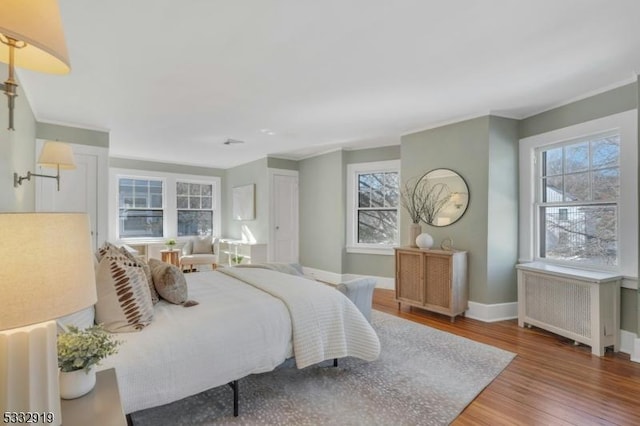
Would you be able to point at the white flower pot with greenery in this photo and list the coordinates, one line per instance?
(78, 352)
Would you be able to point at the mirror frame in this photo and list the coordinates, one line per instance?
(464, 182)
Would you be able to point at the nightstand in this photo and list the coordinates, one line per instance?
(100, 406)
(171, 256)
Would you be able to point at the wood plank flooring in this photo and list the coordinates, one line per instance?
(550, 382)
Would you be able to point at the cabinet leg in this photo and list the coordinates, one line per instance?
(453, 319)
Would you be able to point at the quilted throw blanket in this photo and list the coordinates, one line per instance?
(325, 323)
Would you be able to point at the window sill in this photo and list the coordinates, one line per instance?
(384, 251)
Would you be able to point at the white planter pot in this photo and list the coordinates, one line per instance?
(424, 241)
(74, 384)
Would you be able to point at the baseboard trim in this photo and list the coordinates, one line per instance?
(335, 278)
(630, 344)
(492, 313)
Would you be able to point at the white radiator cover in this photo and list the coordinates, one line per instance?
(581, 305)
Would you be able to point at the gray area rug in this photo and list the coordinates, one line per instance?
(423, 377)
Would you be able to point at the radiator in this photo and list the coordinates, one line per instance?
(581, 305)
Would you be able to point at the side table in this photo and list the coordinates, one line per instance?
(171, 256)
(100, 406)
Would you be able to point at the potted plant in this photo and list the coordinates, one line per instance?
(79, 350)
(171, 242)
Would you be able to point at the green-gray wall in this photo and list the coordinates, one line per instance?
(322, 211)
(56, 132)
(369, 264)
(17, 154)
(484, 152)
(251, 173)
(620, 99)
(281, 163)
(322, 181)
(153, 166)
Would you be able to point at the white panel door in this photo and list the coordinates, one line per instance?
(285, 218)
(78, 190)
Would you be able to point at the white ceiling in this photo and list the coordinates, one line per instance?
(172, 80)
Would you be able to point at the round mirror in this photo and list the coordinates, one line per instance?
(446, 196)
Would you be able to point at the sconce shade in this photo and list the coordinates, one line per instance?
(37, 23)
(47, 267)
(56, 154)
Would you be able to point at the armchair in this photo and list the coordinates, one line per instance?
(200, 251)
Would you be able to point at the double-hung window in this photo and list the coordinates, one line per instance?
(194, 202)
(577, 197)
(373, 201)
(140, 207)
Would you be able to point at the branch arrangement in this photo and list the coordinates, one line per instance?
(423, 200)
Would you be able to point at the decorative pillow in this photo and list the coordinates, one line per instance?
(147, 272)
(107, 247)
(203, 245)
(187, 248)
(124, 300)
(169, 281)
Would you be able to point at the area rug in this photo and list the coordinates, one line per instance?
(423, 377)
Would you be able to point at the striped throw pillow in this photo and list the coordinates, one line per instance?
(124, 300)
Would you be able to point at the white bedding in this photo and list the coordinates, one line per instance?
(325, 323)
(236, 330)
(185, 351)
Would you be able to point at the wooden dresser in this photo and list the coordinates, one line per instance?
(435, 280)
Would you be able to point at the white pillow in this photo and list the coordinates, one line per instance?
(203, 245)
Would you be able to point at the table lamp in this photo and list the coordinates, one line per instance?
(46, 271)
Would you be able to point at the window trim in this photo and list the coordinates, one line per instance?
(212, 209)
(353, 170)
(170, 228)
(623, 123)
(163, 208)
(539, 204)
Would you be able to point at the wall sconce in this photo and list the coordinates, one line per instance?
(33, 28)
(57, 155)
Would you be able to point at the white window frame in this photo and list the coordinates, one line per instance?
(170, 217)
(353, 170)
(163, 208)
(212, 209)
(539, 203)
(624, 124)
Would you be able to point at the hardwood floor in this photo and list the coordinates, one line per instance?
(550, 382)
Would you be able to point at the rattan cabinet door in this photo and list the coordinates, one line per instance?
(410, 277)
(438, 282)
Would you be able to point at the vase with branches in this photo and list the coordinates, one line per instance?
(423, 201)
(412, 199)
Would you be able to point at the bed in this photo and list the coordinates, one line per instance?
(247, 322)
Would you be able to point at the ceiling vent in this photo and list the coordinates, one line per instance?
(232, 141)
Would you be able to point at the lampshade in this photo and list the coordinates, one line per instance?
(56, 154)
(46, 267)
(38, 23)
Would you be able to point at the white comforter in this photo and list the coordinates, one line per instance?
(236, 330)
(325, 323)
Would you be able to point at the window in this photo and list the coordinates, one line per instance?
(373, 191)
(577, 200)
(194, 203)
(140, 208)
(154, 205)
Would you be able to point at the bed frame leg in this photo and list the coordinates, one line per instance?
(335, 362)
(234, 386)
